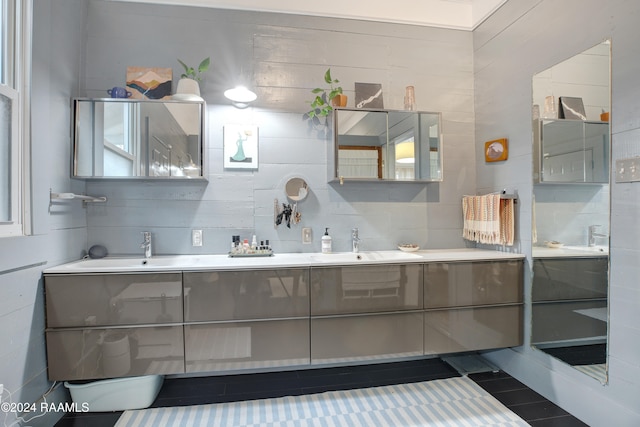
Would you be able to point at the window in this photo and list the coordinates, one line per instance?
(13, 131)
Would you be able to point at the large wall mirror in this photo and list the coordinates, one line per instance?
(387, 145)
(571, 212)
(124, 138)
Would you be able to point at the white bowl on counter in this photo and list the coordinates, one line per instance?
(408, 247)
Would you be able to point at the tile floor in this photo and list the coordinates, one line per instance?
(580, 355)
(529, 405)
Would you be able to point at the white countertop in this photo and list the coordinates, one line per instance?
(284, 260)
(570, 252)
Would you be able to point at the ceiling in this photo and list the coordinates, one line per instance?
(458, 14)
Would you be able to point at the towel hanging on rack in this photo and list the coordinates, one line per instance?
(488, 219)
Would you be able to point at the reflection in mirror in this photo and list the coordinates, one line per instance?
(571, 151)
(571, 222)
(388, 145)
(123, 138)
(296, 189)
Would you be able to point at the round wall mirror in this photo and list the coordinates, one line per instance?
(296, 189)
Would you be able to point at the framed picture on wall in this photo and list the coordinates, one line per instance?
(496, 150)
(369, 95)
(240, 146)
(149, 82)
(571, 108)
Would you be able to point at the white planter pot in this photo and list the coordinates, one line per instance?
(187, 90)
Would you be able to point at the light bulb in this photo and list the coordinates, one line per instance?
(240, 94)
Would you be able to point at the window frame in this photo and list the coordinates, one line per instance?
(14, 85)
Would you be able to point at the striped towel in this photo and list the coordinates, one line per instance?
(488, 219)
(507, 223)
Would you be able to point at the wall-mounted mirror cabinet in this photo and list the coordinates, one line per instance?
(141, 139)
(386, 145)
(567, 151)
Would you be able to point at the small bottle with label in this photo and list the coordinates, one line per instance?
(326, 242)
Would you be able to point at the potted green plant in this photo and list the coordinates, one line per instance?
(326, 99)
(188, 87)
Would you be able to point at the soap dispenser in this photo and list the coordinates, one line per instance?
(326, 242)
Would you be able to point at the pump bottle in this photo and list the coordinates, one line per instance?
(326, 242)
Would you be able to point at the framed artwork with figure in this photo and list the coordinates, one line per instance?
(240, 146)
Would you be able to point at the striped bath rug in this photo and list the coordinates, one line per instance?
(450, 402)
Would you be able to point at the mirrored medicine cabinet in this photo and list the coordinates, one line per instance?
(387, 145)
(571, 151)
(137, 139)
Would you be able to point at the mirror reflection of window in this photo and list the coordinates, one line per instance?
(360, 162)
(119, 155)
(405, 157)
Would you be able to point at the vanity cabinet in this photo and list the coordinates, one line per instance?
(365, 312)
(113, 325)
(246, 319)
(473, 305)
(107, 325)
(569, 299)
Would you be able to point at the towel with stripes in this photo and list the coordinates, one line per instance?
(488, 219)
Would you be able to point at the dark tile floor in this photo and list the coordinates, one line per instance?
(530, 406)
(581, 354)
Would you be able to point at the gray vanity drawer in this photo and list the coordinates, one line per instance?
(78, 300)
(462, 284)
(240, 295)
(346, 339)
(569, 320)
(116, 352)
(570, 278)
(469, 329)
(246, 345)
(365, 289)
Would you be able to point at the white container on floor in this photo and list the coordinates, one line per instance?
(116, 355)
(117, 394)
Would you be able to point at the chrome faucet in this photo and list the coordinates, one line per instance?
(592, 235)
(355, 241)
(146, 244)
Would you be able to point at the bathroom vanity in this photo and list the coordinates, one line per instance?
(569, 297)
(213, 314)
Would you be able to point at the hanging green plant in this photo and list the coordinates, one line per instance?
(321, 104)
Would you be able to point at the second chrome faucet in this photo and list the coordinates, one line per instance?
(355, 240)
(146, 243)
(593, 234)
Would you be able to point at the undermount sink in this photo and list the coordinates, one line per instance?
(570, 251)
(135, 262)
(195, 262)
(371, 256)
(598, 249)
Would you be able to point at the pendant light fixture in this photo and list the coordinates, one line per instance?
(240, 96)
